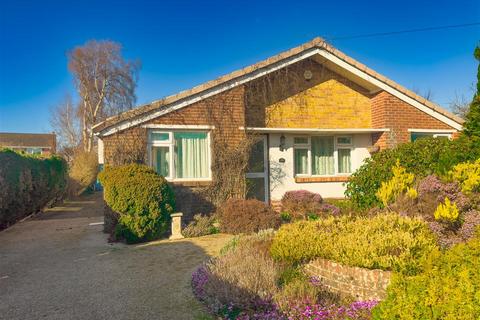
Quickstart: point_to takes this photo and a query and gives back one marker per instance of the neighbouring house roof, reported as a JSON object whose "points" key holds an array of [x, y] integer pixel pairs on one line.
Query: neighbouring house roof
{"points": [[316, 47], [27, 140]]}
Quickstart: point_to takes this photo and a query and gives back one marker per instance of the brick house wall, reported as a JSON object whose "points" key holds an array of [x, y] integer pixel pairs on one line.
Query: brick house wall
{"points": [[390, 112], [224, 111], [285, 99]]}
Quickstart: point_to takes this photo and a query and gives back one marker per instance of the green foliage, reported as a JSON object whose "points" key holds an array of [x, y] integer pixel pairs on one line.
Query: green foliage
{"points": [[467, 174], [421, 158], [387, 242], [143, 199], [400, 183], [472, 121], [247, 216], [447, 211], [28, 183], [201, 225], [448, 288]]}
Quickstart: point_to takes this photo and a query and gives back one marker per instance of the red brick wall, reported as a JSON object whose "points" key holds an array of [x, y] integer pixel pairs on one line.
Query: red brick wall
{"points": [[359, 283], [224, 111], [390, 112]]}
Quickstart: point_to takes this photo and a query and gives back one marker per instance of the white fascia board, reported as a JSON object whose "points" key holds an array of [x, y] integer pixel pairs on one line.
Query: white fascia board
{"points": [[432, 130], [178, 126], [274, 67], [315, 130], [210, 92], [390, 89]]}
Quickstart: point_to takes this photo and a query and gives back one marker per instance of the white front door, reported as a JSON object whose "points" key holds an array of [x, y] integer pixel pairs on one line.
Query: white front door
{"points": [[257, 171]]}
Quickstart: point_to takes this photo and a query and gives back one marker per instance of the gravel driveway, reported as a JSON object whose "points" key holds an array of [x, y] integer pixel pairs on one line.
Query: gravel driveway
{"points": [[57, 266]]}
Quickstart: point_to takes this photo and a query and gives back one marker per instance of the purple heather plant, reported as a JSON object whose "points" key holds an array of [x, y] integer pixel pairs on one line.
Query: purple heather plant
{"points": [[330, 208], [432, 185], [303, 204], [261, 309], [359, 310], [302, 195]]}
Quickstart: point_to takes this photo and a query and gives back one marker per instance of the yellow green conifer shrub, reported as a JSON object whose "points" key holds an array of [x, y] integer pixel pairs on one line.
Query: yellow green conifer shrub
{"points": [[447, 289], [386, 241], [400, 183], [447, 211], [467, 174]]}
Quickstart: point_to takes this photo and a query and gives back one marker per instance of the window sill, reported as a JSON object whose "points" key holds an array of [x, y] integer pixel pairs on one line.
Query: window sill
{"points": [[321, 179], [191, 183]]}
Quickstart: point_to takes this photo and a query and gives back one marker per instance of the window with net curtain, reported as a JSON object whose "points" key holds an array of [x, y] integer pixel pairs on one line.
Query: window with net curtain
{"points": [[191, 154], [323, 162], [187, 151], [322, 155]]}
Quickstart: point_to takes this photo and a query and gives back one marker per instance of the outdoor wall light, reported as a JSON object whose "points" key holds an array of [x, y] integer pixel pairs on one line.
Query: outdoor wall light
{"points": [[282, 143]]}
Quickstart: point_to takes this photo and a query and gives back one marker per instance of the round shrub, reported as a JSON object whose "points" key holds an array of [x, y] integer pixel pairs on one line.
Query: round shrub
{"points": [[143, 199], [387, 242], [247, 216], [422, 157], [448, 288]]}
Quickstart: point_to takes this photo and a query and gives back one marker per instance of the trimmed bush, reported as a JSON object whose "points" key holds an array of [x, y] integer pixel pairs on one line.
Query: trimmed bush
{"points": [[201, 225], [387, 242], [247, 216], [448, 288], [143, 199], [28, 184], [422, 157]]}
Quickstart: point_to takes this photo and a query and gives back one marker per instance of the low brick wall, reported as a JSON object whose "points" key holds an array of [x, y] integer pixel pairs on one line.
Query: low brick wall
{"points": [[360, 283]]}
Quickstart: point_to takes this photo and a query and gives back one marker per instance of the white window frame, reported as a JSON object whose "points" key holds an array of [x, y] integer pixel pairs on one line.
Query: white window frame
{"points": [[448, 135], [434, 132], [170, 143], [336, 146]]}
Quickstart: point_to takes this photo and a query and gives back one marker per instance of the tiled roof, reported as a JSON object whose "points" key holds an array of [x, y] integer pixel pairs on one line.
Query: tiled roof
{"points": [[315, 43], [43, 140]]}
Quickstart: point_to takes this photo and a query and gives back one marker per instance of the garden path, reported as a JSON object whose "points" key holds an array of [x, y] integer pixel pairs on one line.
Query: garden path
{"points": [[57, 265]]}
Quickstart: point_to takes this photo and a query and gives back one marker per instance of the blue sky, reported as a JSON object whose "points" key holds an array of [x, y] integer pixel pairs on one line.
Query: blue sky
{"points": [[184, 43]]}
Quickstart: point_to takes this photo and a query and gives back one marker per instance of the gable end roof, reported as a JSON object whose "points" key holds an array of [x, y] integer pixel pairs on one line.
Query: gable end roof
{"points": [[317, 46]]}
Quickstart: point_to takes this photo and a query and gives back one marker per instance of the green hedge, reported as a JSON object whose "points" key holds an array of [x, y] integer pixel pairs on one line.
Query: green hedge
{"points": [[449, 288], [143, 199], [386, 241], [422, 157], [28, 183]]}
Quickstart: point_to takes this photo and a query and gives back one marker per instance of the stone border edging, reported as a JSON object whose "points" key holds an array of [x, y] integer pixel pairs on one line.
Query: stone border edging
{"points": [[360, 283]]}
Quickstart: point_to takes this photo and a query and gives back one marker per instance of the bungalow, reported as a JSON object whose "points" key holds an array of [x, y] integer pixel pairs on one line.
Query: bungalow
{"points": [[316, 115], [31, 143]]}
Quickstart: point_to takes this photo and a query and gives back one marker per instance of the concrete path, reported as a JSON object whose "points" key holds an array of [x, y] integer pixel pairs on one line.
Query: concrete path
{"points": [[57, 266]]}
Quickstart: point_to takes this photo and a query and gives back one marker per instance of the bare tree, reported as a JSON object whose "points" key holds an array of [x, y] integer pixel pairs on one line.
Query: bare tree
{"points": [[105, 82], [460, 106], [65, 124]]}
